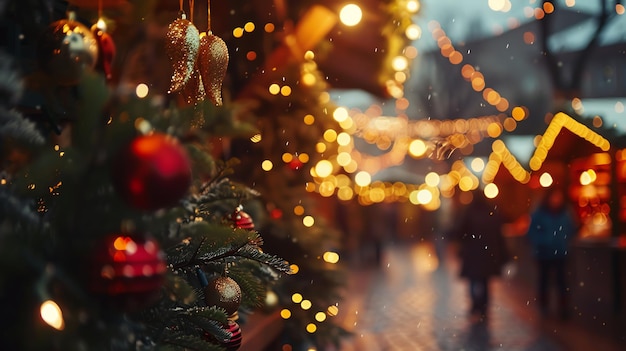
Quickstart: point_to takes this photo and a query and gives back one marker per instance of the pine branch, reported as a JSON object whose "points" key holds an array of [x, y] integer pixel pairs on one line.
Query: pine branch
{"points": [[252, 252], [12, 207], [209, 319], [224, 188], [252, 290], [11, 85], [14, 126]]}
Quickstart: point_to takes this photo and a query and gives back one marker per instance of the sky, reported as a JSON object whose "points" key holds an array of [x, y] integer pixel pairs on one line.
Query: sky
{"points": [[456, 16]]}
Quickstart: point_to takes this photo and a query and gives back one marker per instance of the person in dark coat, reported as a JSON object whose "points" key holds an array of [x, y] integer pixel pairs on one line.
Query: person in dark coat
{"points": [[552, 227], [482, 251]]}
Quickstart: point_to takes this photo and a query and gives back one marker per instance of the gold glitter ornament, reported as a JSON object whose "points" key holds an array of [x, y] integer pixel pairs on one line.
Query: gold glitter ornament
{"points": [[223, 292], [66, 49], [193, 92], [183, 41], [213, 62]]}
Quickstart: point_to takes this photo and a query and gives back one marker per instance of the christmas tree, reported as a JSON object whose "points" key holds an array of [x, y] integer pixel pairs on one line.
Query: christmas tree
{"points": [[119, 230]]}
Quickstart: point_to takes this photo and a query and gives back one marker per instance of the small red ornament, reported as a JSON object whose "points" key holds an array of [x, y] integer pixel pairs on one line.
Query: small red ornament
{"points": [[152, 172], [276, 213], [106, 49], [241, 219], [128, 270], [295, 164], [234, 343], [223, 292]]}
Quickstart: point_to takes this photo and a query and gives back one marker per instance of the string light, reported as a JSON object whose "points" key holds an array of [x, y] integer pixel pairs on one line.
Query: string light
{"points": [[350, 15], [51, 314]]}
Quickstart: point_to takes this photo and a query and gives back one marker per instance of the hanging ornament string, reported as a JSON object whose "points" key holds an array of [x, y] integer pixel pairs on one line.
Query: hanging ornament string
{"points": [[191, 7], [208, 16], [212, 61]]}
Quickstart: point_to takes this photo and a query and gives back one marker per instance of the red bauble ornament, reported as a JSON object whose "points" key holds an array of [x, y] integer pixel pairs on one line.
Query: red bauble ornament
{"points": [[106, 49], [128, 270], [295, 164], [241, 219], [234, 343], [223, 292], [152, 172], [65, 49]]}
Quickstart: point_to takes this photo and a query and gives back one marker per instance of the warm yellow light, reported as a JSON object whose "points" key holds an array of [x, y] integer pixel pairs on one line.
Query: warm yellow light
{"points": [[320, 316], [306, 304], [330, 135], [351, 15], [287, 157], [285, 313], [308, 79], [363, 179], [351, 167], [303, 157], [585, 178], [331, 257], [491, 191], [400, 63], [344, 139], [417, 148], [592, 175], [497, 5], [345, 193], [494, 130], [309, 55], [466, 183], [142, 90], [323, 168], [413, 32], [340, 114], [327, 188], [249, 27], [238, 32], [294, 269], [309, 120], [413, 6], [432, 179], [256, 138], [51, 314], [545, 180], [311, 328], [518, 113], [424, 196], [285, 90], [296, 298], [308, 221], [477, 165], [267, 165], [274, 89], [344, 159], [320, 147], [332, 310]]}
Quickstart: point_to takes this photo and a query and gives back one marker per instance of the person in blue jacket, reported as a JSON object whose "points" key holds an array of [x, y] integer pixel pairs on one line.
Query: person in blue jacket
{"points": [[552, 227]]}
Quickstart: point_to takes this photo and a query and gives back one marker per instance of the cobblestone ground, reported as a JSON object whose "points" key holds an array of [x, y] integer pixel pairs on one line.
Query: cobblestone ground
{"points": [[416, 303]]}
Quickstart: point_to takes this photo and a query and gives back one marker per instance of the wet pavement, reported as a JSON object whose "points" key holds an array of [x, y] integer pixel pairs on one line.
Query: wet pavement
{"points": [[415, 301]]}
